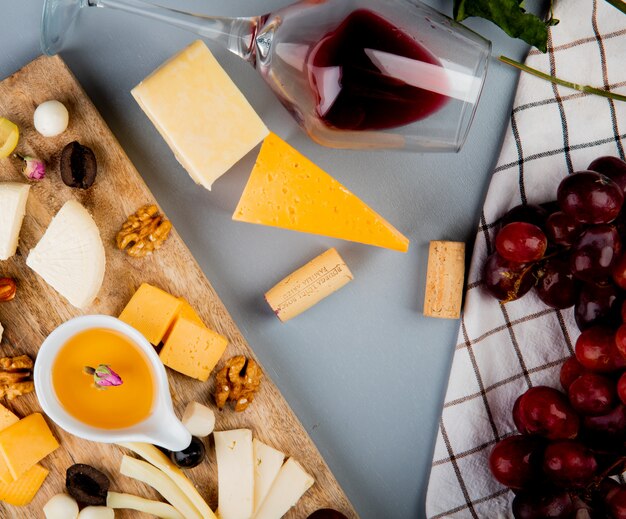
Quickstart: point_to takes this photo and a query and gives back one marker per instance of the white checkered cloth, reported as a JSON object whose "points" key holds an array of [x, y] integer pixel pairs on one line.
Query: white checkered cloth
{"points": [[502, 350]]}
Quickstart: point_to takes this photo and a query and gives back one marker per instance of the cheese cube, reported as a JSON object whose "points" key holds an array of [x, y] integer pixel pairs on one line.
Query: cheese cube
{"points": [[235, 473], [187, 311], [198, 419], [151, 311], [289, 486], [25, 443], [267, 463], [200, 112], [22, 491], [192, 349]]}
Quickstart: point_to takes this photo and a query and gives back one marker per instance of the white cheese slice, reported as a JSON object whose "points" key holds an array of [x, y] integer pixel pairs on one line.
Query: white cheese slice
{"points": [[289, 486], [13, 198], [1, 331], [235, 473], [267, 463], [70, 255], [141, 504]]}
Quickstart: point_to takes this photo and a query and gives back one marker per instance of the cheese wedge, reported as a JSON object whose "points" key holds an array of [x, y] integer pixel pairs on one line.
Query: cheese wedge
{"points": [[201, 114], [13, 197], [235, 474], [70, 255], [22, 491], [289, 486], [287, 190], [267, 464]]}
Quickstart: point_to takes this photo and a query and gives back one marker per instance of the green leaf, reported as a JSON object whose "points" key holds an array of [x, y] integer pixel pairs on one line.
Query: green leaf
{"points": [[509, 15]]}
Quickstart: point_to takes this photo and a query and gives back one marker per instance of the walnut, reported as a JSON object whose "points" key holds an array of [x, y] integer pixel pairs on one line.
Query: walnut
{"points": [[16, 376], [238, 381], [144, 232]]}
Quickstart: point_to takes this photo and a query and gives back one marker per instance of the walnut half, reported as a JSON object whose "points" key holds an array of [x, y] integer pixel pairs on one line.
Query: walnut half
{"points": [[144, 232], [237, 381], [16, 376]]}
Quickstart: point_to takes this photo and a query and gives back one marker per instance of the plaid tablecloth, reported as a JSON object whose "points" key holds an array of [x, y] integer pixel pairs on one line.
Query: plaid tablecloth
{"points": [[502, 350]]}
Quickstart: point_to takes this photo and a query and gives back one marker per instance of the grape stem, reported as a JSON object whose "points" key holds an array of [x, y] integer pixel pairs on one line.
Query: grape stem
{"points": [[575, 86], [605, 473]]}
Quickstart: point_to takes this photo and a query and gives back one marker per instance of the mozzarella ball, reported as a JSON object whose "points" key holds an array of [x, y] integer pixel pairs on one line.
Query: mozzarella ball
{"points": [[51, 118], [61, 506], [198, 419], [97, 512]]}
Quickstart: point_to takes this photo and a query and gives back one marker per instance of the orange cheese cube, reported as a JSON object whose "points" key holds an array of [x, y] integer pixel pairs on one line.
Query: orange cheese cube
{"points": [[186, 311], [193, 349], [151, 311], [22, 491], [25, 443], [7, 418]]}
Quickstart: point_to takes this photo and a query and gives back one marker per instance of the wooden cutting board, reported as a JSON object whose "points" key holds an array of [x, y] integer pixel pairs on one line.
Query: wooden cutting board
{"points": [[38, 309]]}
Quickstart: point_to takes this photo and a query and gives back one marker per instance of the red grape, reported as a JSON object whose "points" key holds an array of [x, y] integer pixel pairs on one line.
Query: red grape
{"points": [[570, 371], [562, 229], [528, 213], [556, 285], [597, 304], [590, 197], [616, 502], [516, 461], [609, 426], [596, 350], [619, 272], [592, 394], [545, 411], [543, 504], [620, 340], [507, 281], [612, 167], [595, 252], [569, 464], [621, 388], [521, 242]]}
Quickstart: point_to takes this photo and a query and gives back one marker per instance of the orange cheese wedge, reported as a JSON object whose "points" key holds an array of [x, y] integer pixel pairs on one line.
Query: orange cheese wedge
{"points": [[287, 190]]}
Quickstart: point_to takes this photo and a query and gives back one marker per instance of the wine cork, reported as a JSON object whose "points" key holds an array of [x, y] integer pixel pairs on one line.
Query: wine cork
{"points": [[444, 279], [308, 285]]}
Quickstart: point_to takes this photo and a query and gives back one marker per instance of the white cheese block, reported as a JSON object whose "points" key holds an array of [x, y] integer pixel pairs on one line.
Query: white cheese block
{"points": [[198, 419], [235, 473], [200, 112], [267, 463], [13, 196], [289, 486], [70, 255]]}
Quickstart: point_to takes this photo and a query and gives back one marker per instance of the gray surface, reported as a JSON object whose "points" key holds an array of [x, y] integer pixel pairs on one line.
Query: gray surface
{"points": [[364, 371]]}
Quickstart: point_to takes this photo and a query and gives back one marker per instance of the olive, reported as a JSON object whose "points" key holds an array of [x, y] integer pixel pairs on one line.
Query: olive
{"points": [[87, 485], [190, 457], [78, 166]]}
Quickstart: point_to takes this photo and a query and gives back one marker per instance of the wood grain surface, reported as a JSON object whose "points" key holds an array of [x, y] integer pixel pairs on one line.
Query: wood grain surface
{"points": [[38, 309]]}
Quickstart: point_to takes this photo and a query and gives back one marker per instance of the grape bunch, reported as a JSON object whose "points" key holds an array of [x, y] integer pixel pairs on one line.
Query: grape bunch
{"points": [[570, 442]]}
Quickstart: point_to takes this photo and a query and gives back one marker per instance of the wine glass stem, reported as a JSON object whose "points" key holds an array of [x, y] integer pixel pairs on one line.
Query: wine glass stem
{"points": [[235, 34]]}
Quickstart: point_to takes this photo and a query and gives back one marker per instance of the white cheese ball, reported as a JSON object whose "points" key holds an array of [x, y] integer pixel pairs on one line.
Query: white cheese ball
{"points": [[97, 512], [51, 118], [198, 419], [61, 506]]}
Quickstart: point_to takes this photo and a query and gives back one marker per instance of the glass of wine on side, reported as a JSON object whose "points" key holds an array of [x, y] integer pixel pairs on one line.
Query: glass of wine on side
{"points": [[353, 73]]}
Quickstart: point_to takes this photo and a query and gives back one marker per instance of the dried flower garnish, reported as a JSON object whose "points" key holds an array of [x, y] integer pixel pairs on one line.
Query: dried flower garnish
{"points": [[34, 168], [103, 376]]}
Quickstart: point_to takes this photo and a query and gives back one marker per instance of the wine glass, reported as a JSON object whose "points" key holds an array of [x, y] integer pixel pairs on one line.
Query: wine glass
{"points": [[353, 73]]}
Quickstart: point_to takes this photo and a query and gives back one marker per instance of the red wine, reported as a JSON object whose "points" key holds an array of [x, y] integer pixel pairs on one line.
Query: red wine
{"points": [[351, 92]]}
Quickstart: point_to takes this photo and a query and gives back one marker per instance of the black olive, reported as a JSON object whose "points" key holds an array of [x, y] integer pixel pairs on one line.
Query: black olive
{"points": [[327, 513], [87, 485], [78, 166], [190, 457]]}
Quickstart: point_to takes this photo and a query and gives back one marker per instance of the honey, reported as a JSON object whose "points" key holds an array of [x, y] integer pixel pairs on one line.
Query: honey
{"points": [[112, 407]]}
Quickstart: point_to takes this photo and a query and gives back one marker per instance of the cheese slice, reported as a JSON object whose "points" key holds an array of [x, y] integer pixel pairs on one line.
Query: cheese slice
{"points": [[200, 112], [187, 311], [22, 491], [13, 196], [235, 473], [289, 486], [287, 190], [267, 464], [7, 418], [25, 443]]}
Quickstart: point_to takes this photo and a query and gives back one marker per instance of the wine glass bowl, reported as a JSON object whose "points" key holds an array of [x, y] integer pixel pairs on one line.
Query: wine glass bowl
{"points": [[392, 74]]}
